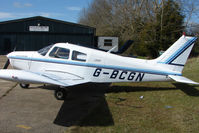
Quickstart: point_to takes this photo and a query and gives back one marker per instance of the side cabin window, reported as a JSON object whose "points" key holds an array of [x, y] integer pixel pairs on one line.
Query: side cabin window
{"points": [[62, 53], [79, 56]]}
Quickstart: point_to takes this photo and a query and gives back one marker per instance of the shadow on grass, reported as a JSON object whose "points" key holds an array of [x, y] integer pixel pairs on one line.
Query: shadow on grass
{"points": [[118, 89], [82, 102], [188, 89], [86, 104]]}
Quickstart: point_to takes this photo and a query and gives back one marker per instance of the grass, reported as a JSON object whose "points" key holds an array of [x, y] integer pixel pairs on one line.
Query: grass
{"points": [[166, 107]]}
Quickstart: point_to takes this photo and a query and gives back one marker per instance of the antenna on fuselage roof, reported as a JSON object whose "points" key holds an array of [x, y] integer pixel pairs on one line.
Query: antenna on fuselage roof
{"points": [[112, 49]]}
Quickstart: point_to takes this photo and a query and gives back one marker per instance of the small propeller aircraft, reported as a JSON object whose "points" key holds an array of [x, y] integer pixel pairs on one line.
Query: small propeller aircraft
{"points": [[65, 64]]}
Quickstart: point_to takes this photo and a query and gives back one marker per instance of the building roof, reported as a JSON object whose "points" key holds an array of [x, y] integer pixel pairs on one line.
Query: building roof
{"points": [[49, 25], [44, 18]]}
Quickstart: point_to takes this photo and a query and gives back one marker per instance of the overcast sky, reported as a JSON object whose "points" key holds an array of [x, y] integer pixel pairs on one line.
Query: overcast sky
{"points": [[67, 10]]}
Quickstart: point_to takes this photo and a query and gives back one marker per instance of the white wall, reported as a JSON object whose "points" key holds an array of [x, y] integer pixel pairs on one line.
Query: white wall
{"points": [[103, 40]]}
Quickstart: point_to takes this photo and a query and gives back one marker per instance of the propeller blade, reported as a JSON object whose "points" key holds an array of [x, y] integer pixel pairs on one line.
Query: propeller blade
{"points": [[6, 64], [14, 48]]}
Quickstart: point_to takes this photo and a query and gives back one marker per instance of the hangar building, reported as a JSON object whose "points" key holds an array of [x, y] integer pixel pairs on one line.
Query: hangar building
{"points": [[37, 32]]}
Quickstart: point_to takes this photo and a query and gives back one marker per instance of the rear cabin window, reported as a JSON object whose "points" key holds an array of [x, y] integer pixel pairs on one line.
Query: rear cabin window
{"points": [[62, 53], [79, 56]]}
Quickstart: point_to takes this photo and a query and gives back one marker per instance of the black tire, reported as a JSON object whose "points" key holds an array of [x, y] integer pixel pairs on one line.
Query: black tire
{"points": [[25, 86], [60, 94]]}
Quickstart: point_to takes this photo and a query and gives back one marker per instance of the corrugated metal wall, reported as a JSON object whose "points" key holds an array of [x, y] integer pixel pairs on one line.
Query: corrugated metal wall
{"points": [[17, 33]]}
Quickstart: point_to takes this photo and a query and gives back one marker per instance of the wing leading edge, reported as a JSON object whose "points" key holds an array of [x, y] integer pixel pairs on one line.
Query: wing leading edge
{"points": [[22, 76]]}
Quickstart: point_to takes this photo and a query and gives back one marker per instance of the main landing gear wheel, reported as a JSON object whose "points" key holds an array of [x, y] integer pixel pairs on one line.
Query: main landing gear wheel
{"points": [[60, 94], [25, 86]]}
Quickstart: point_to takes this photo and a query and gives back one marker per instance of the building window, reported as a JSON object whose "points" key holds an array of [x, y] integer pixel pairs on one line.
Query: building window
{"points": [[60, 53], [107, 42], [79, 56]]}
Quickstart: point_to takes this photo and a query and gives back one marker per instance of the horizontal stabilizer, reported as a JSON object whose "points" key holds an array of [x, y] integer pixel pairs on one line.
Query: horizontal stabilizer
{"points": [[182, 79]]}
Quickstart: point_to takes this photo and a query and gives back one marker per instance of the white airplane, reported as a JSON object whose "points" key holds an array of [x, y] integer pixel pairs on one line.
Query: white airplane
{"points": [[65, 64]]}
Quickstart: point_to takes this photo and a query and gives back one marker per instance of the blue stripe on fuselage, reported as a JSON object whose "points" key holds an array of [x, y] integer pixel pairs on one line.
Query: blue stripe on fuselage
{"points": [[96, 65]]}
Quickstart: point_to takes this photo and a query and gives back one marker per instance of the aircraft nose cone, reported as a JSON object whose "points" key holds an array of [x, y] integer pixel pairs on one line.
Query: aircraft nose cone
{"points": [[10, 54]]}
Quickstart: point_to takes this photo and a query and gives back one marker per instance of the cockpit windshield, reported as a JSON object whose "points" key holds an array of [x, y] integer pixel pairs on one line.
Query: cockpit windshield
{"points": [[44, 50]]}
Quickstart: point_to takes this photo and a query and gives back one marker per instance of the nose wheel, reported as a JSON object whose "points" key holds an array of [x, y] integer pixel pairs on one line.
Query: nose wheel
{"points": [[25, 86], [60, 94]]}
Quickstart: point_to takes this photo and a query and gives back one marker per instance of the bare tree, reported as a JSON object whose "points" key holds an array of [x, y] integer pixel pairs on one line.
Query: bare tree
{"points": [[128, 19], [190, 9]]}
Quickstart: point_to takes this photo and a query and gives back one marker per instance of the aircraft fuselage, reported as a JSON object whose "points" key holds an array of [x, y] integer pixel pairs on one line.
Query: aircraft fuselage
{"points": [[92, 65]]}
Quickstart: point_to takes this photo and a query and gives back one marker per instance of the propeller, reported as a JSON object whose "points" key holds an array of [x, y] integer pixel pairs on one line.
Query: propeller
{"points": [[8, 61], [6, 64]]}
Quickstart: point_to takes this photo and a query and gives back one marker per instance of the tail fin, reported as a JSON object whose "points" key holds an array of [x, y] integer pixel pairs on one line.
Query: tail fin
{"points": [[178, 53]]}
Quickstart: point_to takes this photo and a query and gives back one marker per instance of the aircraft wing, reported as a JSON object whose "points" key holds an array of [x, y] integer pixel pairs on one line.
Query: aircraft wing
{"points": [[64, 77], [182, 79], [22, 76]]}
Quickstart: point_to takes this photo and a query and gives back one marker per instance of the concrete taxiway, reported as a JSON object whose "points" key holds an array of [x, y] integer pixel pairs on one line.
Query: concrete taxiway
{"points": [[36, 110]]}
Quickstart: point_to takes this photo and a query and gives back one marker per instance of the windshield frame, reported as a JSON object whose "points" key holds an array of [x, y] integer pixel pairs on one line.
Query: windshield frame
{"points": [[45, 50]]}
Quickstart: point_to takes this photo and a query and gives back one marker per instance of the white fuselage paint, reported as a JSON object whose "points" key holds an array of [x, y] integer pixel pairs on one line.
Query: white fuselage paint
{"points": [[99, 66]]}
